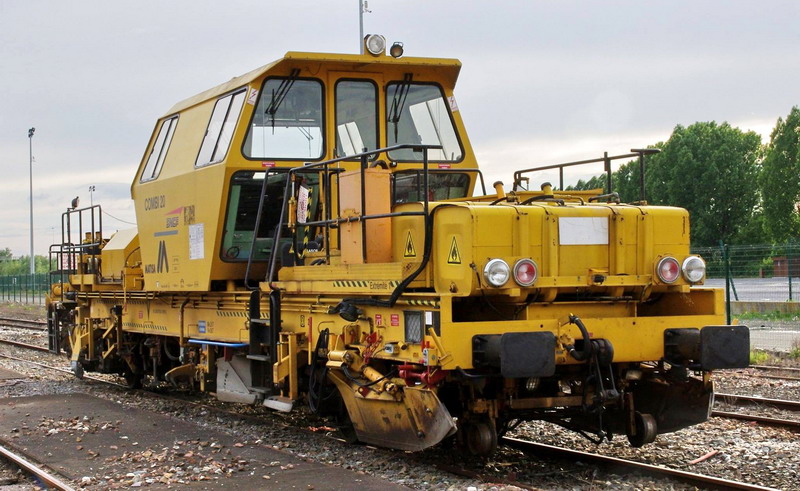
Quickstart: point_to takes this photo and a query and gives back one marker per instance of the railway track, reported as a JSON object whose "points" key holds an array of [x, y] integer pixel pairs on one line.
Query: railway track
{"points": [[550, 451], [729, 398], [23, 323], [776, 403], [43, 476], [527, 446], [524, 445]]}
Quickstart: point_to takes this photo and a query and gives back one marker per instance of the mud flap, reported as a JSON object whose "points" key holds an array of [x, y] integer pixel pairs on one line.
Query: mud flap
{"points": [[413, 421]]}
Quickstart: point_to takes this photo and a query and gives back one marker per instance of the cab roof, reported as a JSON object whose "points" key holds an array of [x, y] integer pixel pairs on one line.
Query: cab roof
{"points": [[447, 68]]}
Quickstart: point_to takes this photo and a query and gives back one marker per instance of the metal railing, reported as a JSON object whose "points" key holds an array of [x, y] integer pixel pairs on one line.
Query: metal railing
{"points": [[24, 288]]}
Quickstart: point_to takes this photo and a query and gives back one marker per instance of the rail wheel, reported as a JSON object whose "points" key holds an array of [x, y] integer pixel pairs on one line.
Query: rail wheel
{"points": [[480, 437], [646, 430]]}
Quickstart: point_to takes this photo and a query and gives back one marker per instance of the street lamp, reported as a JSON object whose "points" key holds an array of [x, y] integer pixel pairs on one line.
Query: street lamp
{"points": [[30, 154], [91, 195]]}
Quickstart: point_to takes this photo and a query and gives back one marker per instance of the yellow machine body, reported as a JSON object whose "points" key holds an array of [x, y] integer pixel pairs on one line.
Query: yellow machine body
{"points": [[316, 230]]}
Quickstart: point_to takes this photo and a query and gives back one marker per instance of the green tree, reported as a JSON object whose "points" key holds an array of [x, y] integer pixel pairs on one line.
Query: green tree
{"points": [[780, 179], [595, 182], [710, 169]]}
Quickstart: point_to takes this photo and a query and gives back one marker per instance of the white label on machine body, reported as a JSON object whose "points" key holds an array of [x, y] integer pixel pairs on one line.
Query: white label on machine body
{"points": [[583, 231]]}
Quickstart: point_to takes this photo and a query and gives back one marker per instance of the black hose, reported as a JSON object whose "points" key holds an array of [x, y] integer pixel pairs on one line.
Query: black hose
{"points": [[586, 352], [404, 284], [169, 355], [316, 387]]}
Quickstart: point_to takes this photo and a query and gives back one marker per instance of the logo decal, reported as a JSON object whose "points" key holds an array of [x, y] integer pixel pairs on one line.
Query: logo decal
{"points": [[163, 262]]}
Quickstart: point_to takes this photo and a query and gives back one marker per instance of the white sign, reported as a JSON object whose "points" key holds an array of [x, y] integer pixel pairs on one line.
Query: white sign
{"points": [[583, 230], [302, 204], [196, 241], [251, 98]]}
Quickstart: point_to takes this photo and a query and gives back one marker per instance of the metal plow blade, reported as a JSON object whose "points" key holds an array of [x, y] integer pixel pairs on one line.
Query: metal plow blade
{"points": [[415, 422]]}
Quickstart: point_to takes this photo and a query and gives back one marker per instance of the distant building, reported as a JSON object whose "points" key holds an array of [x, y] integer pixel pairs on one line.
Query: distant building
{"points": [[780, 266]]}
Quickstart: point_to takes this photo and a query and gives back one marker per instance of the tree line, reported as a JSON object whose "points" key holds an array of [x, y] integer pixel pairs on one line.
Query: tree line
{"points": [[736, 189], [9, 265]]}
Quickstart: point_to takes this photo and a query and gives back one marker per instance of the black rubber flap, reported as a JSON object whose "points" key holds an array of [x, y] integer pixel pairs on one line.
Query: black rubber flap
{"points": [[724, 347], [527, 354]]}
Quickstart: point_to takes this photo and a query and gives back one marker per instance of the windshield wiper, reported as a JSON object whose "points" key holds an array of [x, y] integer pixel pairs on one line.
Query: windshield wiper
{"points": [[399, 101], [279, 95]]}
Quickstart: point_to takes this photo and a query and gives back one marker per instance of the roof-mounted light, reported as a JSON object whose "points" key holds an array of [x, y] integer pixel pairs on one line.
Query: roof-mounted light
{"points": [[396, 50], [375, 44]]}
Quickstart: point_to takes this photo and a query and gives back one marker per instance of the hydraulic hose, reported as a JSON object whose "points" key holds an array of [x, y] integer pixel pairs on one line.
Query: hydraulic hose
{"points": [[586, 352]]}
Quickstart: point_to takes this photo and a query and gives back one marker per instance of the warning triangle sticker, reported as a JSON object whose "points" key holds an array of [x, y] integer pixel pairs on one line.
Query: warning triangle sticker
{"points": [[454, 257], [409, 250]]}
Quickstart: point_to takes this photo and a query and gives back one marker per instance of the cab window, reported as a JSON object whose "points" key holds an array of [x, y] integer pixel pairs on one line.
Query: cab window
{"points": [[356, 117], [419, 114], [408, 186], [240, 220], [159, 151], [287, 121], [220, 129]]}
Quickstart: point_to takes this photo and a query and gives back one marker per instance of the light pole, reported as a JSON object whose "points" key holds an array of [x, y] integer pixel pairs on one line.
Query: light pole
{"points": [[91, 195], [30, 154], [362, 8]]}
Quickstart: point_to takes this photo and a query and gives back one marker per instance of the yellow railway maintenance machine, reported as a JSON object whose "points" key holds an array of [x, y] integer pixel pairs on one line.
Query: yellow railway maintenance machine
{"points": [[310, 232]]}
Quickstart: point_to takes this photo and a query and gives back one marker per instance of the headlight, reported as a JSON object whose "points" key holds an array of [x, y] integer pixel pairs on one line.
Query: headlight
{"points": [[496, 272], [668, 270], [694, 269], [375, 44], [525, 272]]}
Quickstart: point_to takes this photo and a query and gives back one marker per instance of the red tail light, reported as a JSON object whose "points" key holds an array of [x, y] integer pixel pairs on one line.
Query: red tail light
{"points": [[668, 269], [525, 272]]}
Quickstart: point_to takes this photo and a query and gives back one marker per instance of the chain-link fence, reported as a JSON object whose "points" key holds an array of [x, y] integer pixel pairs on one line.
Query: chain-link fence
{"points": [[24, 288], [762, 284]]}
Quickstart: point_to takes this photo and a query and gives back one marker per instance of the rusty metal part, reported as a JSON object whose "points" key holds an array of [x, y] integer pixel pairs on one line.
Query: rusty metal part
{"points": [[413, 420], [759, 419], [775, 368], [48, 479], [23, 345], [778, 403], [653, 470]]}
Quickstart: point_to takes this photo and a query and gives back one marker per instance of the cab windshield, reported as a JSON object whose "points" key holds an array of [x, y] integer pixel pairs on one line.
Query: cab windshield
{"points": [[419, 114]]}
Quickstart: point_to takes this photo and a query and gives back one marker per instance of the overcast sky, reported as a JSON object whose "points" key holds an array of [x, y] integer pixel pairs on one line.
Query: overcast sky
{"points": [[542, 81]]}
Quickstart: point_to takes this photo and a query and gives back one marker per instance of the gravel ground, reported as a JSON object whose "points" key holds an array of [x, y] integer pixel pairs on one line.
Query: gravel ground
{"points": [[745, 452]]}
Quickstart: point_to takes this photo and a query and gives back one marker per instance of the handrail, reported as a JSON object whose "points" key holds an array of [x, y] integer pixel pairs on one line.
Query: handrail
{"points": [[637, 152], [289, 191]]}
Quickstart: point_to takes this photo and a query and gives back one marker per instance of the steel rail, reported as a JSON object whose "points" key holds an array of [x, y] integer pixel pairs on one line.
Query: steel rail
{"points": [[775, 368], [48, 479], [23, 345], [653, 470], [760, 419], [63, 370], [778, 403], [23, 323]]}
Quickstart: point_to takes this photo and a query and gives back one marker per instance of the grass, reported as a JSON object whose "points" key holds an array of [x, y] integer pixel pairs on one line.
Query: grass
{"points": [[758, 357], [775, 315]]}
